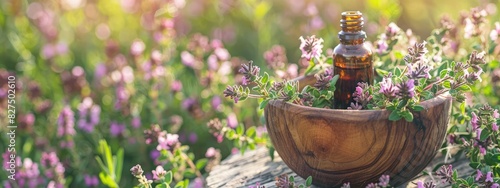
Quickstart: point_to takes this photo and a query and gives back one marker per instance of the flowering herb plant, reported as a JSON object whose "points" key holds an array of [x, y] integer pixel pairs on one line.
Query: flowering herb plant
{"points": [[400, 90]]}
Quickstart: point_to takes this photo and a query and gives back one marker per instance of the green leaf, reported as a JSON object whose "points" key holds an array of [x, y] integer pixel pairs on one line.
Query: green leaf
{"points": [[407, 115], [309, 68], [162, 185], [107, 180], [263, 104], [475, 165], [464, 88], [394, 116], [271, 153], [291, 178], [462, 107], [382, 72], [265, 78], [455, 175], [119, 164], [333, 81], [470, 181], [181, 184], [309, 181], [447, 84], [251, 132], [485, 133], [443, 73], [231, 134], [101, 164], [240, 129], [329, 61], [189, 174], [301, 186], [201, 163], [418, 108], [397, 72]]}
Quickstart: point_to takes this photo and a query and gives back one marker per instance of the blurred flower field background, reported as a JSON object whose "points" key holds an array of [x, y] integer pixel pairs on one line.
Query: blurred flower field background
{"points": [[102, 86]]}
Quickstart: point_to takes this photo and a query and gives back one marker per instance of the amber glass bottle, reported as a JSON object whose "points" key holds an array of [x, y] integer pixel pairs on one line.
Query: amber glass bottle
{"points": [[352, 59]]}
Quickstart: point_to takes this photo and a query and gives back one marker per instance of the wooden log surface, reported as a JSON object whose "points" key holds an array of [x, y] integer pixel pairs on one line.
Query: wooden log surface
{"points": [[256, 167]]}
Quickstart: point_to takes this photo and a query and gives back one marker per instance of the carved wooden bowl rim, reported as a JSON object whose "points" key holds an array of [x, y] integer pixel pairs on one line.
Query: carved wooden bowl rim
{"points": [[426, 104]]}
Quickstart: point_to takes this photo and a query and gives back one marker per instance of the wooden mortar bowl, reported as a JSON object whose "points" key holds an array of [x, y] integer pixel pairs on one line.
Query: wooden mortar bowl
{"points": [[357, 146]]}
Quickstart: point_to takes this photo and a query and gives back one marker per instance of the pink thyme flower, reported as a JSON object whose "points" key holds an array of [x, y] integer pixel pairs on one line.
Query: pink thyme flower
{"points": [[494, 126], [496, 115], [210, 152], [482, 150], [91, 181], [406, 89], [381, 46], [136, 122], [387, 88], [137, 47], [232, 120], [66, 122], [489, 177], [479, 175], [116, 129], [384, 180], [311, 47], [167, 141], [474, 121], [159, 172], [495, 32], [89, 115]]}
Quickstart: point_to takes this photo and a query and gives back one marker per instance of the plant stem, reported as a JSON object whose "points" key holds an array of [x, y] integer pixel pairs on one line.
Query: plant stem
{"points": [[256, 96], [191, 164], [437, 82]]}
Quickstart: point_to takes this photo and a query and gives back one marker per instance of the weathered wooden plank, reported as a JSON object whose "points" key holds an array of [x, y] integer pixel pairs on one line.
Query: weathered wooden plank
{"points": [[256, 166]]}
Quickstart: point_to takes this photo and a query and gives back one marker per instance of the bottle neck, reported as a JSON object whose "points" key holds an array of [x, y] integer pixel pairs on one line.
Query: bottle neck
{"points": [[352, 38], [352, 42]]}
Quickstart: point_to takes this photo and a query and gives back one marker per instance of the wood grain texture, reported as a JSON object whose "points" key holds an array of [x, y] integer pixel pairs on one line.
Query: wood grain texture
{"points": [[336, 146]]}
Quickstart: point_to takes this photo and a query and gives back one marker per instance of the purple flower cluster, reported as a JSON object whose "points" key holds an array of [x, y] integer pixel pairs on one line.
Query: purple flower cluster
{"points": [[388, 88], [495, 33], [445, 173], [276, 57], [311, 47], [323, 80], [215, 127], [54, 169], [116, 129], [250, 73], [66, 122], [406, 89], [167, 141], [417, 65], [233, 93], [159, 173], [362, 96], [473, 22], [89, 115], [392, 31], [91, 181], [384, 180]]}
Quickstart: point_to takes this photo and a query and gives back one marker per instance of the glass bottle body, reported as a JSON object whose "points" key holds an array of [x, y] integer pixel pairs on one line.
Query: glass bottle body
{"points": [[352, 61]]}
